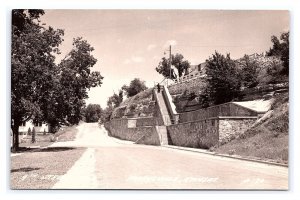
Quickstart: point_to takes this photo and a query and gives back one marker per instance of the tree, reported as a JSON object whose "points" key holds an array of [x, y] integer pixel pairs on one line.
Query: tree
{"points": [[93, 113], [249, 70], [135, 87], [281, 49], [105, 115], [40, 89], [32, 61], [177, 61], [115, 100], [223, 80], [75, 78]]}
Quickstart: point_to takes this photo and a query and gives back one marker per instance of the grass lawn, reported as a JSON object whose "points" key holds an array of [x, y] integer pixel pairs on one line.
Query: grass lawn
{"points": [[64, 134], [42, 168]]}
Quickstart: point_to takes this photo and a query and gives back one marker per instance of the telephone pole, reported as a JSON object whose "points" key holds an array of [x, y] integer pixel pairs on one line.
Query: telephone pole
{"points": [[170, 61]]}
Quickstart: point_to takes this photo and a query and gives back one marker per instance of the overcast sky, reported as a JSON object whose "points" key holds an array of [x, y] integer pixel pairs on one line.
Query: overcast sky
{"points": [[130, 43]]}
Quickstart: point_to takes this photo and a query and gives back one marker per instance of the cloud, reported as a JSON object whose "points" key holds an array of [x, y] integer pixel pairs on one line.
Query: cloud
{"points": [[170, 42], [156, 57], [134, 59], [151, 46], [137, 59]]}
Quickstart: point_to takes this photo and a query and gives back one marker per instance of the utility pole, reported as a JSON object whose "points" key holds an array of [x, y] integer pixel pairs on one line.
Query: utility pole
{"points": [[170, 61]]}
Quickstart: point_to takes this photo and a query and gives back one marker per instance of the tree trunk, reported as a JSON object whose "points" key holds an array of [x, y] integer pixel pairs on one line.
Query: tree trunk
{"points": [[15, 130]]}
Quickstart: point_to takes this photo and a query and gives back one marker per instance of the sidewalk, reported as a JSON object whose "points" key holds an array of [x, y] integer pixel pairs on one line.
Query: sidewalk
{"points": [[82, 175]]}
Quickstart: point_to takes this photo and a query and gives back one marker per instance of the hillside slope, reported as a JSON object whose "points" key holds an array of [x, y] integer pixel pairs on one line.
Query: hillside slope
{"points": [[140, 105], [267, 139]]}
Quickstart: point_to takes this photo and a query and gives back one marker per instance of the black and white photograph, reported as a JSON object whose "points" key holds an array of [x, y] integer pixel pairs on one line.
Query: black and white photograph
{"points": [[149, 99]]}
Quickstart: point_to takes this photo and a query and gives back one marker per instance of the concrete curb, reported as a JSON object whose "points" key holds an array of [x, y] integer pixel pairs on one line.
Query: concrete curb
{"points": [[224, 155]]}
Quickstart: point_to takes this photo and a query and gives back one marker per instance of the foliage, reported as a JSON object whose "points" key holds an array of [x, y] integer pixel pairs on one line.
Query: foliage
{"points": [[281, 49], [249, 70], [274, 72], [135, 87], [21, 17], [40, 89], [105, 115], [75, 77], [223, 80], [115, 100], [93, 113], [177, 61], [32, 61]]}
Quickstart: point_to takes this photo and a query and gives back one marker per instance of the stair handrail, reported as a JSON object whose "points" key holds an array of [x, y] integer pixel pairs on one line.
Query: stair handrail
{"points": [[170, 105]]}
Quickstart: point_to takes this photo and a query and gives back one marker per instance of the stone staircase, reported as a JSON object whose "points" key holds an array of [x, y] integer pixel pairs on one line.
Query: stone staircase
{"points": [[166, 113], [163, 108], [163, 135]]}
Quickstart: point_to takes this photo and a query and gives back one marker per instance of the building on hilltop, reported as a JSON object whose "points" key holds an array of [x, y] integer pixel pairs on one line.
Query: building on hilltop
{"points": [[194, 71], [197, 71]]}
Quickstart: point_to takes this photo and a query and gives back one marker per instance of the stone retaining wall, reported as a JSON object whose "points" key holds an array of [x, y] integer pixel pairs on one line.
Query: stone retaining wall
{"points": [[196, 134], [227, 109], [209, 132], [145, 121], [125, 130], [230, 128], [193, 85]]}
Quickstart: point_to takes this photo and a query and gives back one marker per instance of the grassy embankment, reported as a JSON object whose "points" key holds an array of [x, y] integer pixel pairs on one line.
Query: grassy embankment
{"points": [[267, 139], [140, 105]]}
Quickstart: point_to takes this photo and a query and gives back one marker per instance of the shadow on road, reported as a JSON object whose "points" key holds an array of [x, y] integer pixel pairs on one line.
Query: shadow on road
{"points": [[24, 169], [48, 149]]}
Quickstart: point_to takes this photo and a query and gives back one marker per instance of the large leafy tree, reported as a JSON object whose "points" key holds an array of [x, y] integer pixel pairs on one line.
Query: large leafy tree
{"points": [[223, 80], [135, 87], [40, 89], [75, 78], [177, 61], [32, 61], [280, 48]]}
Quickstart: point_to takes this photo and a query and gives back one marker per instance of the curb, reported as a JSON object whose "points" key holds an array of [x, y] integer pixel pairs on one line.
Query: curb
{"points": [[224, 155]]}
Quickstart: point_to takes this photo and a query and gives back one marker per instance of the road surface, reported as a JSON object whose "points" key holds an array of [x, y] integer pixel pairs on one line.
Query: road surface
{"points": [[109, 163]]}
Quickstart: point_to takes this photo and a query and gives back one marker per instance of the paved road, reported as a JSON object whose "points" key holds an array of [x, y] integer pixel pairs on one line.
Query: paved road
{"points": [[109, 163]]}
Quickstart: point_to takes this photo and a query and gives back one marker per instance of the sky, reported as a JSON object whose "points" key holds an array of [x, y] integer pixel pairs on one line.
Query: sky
{"points": [[130, 43]]}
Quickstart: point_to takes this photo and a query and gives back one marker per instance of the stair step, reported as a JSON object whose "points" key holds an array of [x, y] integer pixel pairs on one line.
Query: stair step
{"points": [[162, 131]]}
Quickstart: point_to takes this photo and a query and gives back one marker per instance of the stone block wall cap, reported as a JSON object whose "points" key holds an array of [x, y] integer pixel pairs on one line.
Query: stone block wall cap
{"points": [[237, 117]]}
